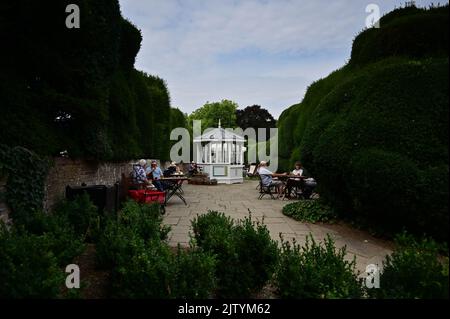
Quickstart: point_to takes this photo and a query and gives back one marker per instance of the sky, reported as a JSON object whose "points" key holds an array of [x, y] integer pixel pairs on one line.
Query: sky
{"points": [[264, 52]]}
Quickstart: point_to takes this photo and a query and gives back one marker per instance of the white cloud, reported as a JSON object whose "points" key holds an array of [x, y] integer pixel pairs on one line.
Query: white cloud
{"points": [[252, 51]]}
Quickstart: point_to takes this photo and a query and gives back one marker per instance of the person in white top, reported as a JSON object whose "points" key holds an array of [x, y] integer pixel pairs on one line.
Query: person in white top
{"points": [[267, 178], [308, 183], [298, 171]]}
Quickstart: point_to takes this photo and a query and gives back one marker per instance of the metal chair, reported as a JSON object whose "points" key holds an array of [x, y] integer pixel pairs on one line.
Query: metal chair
{"points": [[265, 190]]}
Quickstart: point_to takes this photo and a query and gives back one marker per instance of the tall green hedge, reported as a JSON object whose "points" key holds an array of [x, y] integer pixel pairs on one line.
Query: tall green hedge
{"points": [[375, 133], [77, 89]]}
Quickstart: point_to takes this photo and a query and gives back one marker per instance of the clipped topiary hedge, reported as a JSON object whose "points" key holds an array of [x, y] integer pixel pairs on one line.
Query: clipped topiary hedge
{"points": [[76, 90], [375, 151], [375, 133]]}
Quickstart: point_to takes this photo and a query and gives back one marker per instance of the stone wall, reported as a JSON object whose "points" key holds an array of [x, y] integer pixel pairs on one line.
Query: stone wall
{"points": [[77, 172]]}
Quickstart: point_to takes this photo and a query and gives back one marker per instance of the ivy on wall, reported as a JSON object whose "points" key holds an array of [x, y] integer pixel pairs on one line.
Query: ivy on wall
{"points": [[25, 174]]}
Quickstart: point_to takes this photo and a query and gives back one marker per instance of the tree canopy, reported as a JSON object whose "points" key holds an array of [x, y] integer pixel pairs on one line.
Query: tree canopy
{"points": [[255, 117], [211, 113]]}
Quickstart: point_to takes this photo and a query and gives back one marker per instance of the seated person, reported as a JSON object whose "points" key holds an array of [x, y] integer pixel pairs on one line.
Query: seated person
{"points": [[267, 178], [170, 170], [308, 184], [139, 174], [193, 168], [156, 174], [295, 183], [298, 170], [178, 171]]}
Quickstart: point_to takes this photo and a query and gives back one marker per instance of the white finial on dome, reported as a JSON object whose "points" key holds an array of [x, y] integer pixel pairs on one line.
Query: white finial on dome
{"points": [[220, 126]]}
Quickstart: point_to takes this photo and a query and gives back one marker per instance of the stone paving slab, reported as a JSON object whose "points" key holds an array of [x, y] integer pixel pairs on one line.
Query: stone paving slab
{"points": [[236, 201]]}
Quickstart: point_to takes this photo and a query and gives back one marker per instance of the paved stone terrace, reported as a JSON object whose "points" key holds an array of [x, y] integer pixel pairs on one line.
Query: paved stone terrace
{"points": [[236, 201]]}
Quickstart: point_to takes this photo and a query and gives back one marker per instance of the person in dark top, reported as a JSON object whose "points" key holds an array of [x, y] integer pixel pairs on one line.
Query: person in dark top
{"points": [[193, 169]]}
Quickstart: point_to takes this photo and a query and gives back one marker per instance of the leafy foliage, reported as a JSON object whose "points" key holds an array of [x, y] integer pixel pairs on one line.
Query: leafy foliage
{"points": [[28, 267], [195, 274], [25, 180], [211, 113], [62, 239], [414, 270], [82, 215], [362, 132], [143, 266], [408, 32], [246, 254], [255, 117], [311, 211], [126, 233], [316, 271], [76, 90]]}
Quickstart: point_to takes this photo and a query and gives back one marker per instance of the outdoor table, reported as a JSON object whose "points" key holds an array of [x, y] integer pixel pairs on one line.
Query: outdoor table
{"points": [[175, 184], [295, 183]]}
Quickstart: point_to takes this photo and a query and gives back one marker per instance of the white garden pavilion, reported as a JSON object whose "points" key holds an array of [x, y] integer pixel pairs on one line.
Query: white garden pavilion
{"points": [[220, 153]]}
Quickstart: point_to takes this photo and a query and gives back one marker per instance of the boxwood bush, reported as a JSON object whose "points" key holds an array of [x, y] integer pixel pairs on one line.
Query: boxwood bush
{"points": [[311, 211], [414, 270], [142, 265], [134, 225], [28, 267], [82, 215], [316, 271], [246, 255]]}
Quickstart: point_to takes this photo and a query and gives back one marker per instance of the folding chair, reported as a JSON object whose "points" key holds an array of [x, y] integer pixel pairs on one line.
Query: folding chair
{"points": [[265, 190]]}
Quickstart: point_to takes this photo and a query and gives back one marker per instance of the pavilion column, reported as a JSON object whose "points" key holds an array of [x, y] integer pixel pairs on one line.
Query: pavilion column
{"points": [[229, 149], [242, 155], [199, 153], [209, 152], [205, 155]]}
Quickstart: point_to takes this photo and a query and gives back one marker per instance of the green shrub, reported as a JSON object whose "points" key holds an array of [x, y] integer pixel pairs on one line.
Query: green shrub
{"points": [[414, 270], [145, 273], [362, 132], [28, 267], [206, 225], [63, 241], [375, 169], [408, 32], [123, 234], [316, 271], [154, 271], [24, 192], [82, 215], [80, 90], [246, 255], [311, 211], [141, 263], [194, 274], [146, 220]]}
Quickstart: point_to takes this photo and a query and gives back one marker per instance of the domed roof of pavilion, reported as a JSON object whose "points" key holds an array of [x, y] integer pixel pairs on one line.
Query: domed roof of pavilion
{"points": [[219, 134]]}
